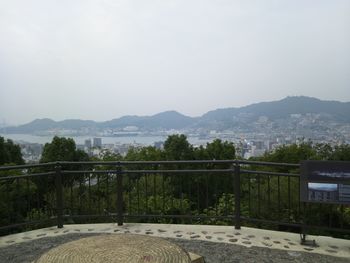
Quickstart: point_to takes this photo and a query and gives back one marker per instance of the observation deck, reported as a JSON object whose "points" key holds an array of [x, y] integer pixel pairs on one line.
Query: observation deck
{"points": [[226, 211]]}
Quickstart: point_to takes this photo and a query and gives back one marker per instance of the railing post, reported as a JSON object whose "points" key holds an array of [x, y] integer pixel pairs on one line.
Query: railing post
{"points": [[59, 195], [119, 196], [237, 186]]}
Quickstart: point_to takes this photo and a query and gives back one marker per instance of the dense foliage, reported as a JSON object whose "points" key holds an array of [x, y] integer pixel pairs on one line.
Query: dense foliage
{"points": [[209, 197], [10, 153]]}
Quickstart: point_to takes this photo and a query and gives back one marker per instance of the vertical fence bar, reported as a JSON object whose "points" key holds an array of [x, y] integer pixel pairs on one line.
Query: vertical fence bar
{"points": [[107, 192], [289, 199], [129, 196], [154, 194], [59, 195], [249, 195], [89, 191], [138, 195], [163, 195], [268, 194], [237, 172], [119, 195], [259, 196]]}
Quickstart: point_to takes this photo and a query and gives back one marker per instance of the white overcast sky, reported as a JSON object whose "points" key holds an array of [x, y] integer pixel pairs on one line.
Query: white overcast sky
{"points": [[103, 59]]}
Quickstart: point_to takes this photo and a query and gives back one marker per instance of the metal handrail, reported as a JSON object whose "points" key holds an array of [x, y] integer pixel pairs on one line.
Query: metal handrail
{"points": [[237, 170]]}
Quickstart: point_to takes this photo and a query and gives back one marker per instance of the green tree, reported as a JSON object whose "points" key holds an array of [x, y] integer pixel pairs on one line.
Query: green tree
{"points": [[148, 153], [176, 147], [220, 150], [293, 153], [10, 152], [62, 149], [341, 153], [153, 194]]}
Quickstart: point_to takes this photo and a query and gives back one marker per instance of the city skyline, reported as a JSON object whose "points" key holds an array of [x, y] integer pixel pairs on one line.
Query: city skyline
{"points": [[102, 60]]}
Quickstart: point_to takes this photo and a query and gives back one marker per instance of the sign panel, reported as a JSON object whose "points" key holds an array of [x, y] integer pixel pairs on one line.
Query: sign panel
{"points": [[325, 182]]}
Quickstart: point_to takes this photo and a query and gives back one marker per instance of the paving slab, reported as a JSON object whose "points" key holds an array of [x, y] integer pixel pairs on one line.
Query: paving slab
{"points": [[245, 237]]}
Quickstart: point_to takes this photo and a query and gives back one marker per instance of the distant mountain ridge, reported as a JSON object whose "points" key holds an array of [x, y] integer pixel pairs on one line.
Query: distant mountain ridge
{"points": [[166, 120], [216, 119], [285, 107]]}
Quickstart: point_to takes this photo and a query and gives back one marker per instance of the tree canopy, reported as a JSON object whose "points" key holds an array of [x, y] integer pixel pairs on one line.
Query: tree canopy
{"points": [[10, 152], [295, 153], [62, 149]]}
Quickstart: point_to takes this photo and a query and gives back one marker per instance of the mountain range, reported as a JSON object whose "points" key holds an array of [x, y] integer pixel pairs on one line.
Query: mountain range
{"points": [[219, 119]]}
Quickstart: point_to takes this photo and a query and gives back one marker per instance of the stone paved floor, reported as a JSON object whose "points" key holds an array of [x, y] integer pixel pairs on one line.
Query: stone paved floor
{"points": [[215, 243]]}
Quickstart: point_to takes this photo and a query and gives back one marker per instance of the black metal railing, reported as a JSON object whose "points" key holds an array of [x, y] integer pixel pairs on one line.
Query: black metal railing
{"points": [[230, 192]]}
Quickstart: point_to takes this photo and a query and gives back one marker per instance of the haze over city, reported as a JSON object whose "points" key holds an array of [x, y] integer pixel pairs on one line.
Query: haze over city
{"points": [[100, 60]]}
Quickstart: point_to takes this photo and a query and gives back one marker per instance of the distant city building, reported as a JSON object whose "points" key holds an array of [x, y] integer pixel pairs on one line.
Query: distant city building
{"points": [[131, 128], [260, 145], [159, 145], [87, 143], [97, 142]]}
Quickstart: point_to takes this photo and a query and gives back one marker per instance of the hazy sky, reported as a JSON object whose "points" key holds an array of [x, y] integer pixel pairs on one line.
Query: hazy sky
{"points": [[103, 59]]}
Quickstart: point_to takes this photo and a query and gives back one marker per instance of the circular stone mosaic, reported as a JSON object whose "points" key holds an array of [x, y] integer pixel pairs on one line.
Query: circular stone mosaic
{"points": [[121, 248]]}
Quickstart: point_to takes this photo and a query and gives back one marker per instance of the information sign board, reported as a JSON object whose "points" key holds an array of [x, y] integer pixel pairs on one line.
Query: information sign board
{"points": [[325, 182]]}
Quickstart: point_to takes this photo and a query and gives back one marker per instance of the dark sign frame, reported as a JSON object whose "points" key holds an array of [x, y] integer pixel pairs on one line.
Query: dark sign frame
{"points": [[325, 182]]}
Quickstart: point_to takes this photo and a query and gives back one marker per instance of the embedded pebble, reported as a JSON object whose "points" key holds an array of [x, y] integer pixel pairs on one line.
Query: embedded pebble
{"points": [[237, 233], [266, 238], [220, 238], [161, 230], [77, 230], [266, 244], [195, 236], [286, 239], [126, 232], [116, 230], [251, 236], [331, 251], [177, 231], [190, 233], [137, 231], [229, 235], [291, 243], [294, 254], [208, 237], [285, 246], [233, 240], [308, 249], [66, 231], [56, 232], [204, 232], [277, 242], [91, 229], [246, 242], [217, 233], [178, 235], [149, 233]]}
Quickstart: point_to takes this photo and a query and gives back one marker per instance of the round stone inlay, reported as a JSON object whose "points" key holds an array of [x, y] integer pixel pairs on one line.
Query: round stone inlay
{"points": [[121, 248]]}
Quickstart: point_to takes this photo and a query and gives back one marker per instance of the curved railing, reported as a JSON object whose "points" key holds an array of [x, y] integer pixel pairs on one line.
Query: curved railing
{"points": [[231, 192]]}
